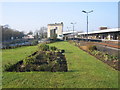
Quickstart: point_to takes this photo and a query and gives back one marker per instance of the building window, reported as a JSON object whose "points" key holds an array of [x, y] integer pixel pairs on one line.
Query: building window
{"points": [[60, 35], [56, 28]]}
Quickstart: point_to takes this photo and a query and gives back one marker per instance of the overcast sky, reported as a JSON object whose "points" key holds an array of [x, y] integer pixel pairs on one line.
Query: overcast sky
{"points": [[26, 16]]}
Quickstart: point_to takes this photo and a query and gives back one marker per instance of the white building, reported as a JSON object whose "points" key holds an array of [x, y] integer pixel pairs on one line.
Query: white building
{"points": [[106, 34], [28, 37], [55, 29]]}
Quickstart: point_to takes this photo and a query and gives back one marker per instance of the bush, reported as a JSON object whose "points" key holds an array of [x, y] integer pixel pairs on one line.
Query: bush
{"points": [[53, 48], [62, 51], [6, 67], [43, 47], [29, 60], [92, 47], [105, 57]]}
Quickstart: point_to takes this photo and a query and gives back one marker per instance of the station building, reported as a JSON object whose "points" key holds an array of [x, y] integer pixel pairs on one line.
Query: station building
{"points": [[55, 30], [106, 34]]}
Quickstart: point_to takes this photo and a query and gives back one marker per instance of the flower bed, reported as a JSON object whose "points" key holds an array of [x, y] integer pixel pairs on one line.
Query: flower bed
{"points": [[45, 59], [106, 58]]}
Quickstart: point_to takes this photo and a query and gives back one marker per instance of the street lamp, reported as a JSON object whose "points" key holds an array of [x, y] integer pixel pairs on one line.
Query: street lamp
{"points": [[87, 20], [68, 28], [73, 29]]}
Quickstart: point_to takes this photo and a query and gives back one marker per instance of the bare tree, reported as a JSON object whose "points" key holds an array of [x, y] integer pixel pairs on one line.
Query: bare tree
{"points": [[43, 32], [30, 33], [36, 34]]}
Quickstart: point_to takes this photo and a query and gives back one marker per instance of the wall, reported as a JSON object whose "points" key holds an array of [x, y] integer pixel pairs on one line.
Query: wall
{"points": [[59, 30]]}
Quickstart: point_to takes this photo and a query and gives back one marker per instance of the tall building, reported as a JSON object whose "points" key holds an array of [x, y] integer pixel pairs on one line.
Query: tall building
{"points": [[55, 30]]}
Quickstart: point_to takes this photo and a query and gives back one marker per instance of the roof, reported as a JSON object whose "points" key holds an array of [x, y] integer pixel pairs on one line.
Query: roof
{"points": [[55, 24], [69, 32], [102, 31]]}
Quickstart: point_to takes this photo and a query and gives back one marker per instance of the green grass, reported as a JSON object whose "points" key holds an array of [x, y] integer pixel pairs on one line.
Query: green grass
{"points": [[13, 55], [85, 71]]}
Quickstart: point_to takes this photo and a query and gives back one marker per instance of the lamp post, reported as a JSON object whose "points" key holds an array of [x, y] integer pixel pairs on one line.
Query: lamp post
{"points": [[68, 28], [73, 29], [87, 20]]}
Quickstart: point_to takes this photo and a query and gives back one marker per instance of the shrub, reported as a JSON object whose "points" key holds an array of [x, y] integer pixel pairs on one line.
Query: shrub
{"points": [[43, 47], [62, 51], [92, 47], [53, 48], [6, 67], [105, 57], [29, 60]]}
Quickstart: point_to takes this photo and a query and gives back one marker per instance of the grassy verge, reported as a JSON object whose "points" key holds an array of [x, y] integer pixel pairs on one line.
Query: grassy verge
{"points": [[14, 55], [85, 71]]}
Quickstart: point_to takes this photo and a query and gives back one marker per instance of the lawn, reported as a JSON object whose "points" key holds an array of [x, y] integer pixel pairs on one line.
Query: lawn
{"points": [[85, 71], [13, 55]]}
